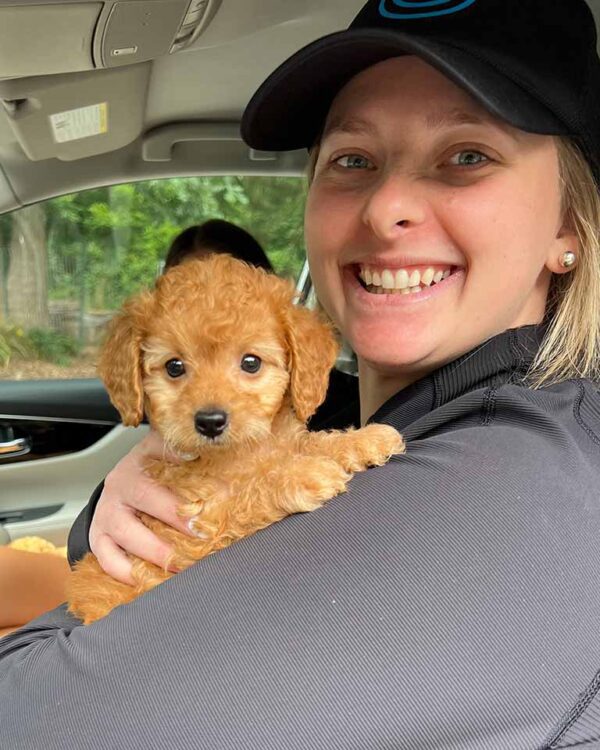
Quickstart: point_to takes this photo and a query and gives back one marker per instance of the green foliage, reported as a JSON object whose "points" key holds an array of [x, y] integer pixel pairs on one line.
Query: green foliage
{"points": [[13, 342], [36, 343], [52, 346], [106, 244]]}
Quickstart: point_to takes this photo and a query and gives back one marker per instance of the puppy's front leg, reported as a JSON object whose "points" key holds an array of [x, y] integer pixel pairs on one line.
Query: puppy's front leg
{"points": [[356, 450], [276, 488], [92, 593]]}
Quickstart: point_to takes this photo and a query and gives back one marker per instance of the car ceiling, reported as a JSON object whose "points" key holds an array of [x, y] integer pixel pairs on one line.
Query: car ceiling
{"points": [[171, 114]]}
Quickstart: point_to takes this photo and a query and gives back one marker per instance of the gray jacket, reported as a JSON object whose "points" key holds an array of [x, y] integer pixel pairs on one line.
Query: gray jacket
{"points": [[450, 599]]}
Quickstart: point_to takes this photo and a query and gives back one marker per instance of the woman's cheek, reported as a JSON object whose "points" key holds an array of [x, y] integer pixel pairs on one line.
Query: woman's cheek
{"points": [[323, 281], [327, 228]]}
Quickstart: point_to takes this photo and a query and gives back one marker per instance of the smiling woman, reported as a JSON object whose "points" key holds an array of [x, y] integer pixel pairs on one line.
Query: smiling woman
{"points": [[449, 599], [414, 201]]}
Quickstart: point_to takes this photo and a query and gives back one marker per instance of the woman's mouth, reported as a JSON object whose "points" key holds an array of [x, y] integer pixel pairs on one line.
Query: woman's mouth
{"points": [[409, 280]]}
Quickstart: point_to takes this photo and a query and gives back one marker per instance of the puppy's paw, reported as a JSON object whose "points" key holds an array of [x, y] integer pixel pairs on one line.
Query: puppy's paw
{"points": [[320, 479], [375, 445]]}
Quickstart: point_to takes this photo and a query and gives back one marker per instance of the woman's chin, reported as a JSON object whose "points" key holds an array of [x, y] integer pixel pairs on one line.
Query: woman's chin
{"points": [[392, 363], [395, 354]]}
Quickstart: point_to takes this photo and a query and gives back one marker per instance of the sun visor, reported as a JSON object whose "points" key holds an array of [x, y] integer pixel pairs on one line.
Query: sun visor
{"points": [[41, 38], [72, 116]]}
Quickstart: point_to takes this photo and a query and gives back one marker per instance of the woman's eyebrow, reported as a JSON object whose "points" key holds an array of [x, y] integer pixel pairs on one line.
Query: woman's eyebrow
{"points": [[353, 125], [433, 121], [448, 118], [457, 117]]}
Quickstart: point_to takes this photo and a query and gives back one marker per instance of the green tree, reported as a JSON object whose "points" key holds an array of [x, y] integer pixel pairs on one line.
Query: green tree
{"points": [[105, 244], [68, 263]]}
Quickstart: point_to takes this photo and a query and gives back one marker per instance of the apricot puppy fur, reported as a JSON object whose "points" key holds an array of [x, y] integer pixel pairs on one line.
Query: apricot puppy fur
{"points": [[228, 370]]}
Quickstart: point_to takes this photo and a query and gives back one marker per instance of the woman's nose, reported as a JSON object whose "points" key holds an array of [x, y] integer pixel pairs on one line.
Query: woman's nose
{"points": [[393, 206]]}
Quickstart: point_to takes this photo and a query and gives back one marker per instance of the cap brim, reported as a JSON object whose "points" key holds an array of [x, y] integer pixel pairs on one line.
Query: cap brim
{"points": [[289, 109]]}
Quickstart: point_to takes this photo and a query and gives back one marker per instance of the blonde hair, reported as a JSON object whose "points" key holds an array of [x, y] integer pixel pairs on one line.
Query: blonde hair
{"points": [[313, 155], [571, 344]]}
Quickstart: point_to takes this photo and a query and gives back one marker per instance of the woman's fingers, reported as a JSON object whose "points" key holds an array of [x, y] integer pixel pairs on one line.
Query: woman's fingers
{"points": [[128, 536], [159, 502], [121, 524], [138, 540], [116, 528], [112, 559]]}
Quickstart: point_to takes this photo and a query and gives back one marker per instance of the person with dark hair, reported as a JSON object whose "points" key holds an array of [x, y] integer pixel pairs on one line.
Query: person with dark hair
{"points": [[216, 236]]}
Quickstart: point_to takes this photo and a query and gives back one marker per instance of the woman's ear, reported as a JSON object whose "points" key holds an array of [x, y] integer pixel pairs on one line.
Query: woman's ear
{"points": [[567, 241], [120, 365], [312, 351]]}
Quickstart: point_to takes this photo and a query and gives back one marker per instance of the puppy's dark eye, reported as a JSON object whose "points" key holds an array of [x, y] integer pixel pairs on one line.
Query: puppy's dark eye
{"points": [[175, 368], [250, 363]]}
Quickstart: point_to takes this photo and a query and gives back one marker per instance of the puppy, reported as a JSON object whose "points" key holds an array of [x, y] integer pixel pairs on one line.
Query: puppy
{"points": [[228, 370]]}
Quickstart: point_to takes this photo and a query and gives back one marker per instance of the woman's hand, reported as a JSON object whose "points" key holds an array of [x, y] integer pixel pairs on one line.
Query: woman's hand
{"points": [[116, 528]]}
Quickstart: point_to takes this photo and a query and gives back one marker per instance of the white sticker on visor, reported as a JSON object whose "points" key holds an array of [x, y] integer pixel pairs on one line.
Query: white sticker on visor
{"points": [[82, 122]]}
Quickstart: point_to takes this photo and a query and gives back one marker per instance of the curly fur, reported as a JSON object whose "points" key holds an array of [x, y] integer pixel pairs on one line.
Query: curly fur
{"points": [[266, 465]]}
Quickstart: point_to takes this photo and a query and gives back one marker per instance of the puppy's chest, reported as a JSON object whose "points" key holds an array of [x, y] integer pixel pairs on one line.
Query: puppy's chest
{"points": [[226, 469]]}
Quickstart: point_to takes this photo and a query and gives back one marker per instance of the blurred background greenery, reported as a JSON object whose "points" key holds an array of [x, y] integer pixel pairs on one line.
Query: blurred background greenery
{"points": [[67, 264]]}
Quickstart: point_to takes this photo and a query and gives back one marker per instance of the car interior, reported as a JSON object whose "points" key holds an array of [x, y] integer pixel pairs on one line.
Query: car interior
{"points": [[100, 94], [120, 97]]}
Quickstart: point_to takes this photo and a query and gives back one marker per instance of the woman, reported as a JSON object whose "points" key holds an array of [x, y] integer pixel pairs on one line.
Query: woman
{"points": [[450, 598]]}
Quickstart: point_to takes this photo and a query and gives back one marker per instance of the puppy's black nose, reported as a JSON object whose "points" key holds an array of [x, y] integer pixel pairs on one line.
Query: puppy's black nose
{"points": [[210, 423]]}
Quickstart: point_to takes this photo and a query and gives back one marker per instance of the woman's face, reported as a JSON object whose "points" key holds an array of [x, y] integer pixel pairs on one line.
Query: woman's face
{"points": [[415, 184]]}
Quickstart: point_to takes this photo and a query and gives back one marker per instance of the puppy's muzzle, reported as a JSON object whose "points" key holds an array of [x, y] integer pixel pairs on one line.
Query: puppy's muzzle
{"points": [[211, 423]]}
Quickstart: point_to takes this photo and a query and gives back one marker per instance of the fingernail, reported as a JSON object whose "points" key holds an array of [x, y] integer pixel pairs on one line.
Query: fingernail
{"points": [[191, 524]]}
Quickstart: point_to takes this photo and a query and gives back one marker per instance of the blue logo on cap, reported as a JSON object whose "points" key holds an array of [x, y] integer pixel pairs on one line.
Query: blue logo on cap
{"points": [[416, 8]]}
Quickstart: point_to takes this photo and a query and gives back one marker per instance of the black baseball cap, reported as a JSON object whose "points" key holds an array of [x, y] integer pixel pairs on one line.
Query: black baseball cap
{"points": [[533, 63]]}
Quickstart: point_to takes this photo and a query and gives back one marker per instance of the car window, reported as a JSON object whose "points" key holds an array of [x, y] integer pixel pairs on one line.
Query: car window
{"points": [[68, 264]]}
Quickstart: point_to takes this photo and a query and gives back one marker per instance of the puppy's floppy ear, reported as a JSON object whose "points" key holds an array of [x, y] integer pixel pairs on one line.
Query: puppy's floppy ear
{"points": [[312, 352], [120, 365]]}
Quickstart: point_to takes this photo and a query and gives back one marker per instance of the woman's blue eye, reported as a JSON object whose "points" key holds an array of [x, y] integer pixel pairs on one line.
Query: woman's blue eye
{"points": [[468, 159], [353, 161]]}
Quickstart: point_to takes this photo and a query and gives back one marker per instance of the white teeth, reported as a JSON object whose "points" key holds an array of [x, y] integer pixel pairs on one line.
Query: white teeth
{"points": [[401, 279], [427, 277], [387, 279], [415, 279]]}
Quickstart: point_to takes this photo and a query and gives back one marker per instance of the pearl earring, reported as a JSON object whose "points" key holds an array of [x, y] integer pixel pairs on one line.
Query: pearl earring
{"points": [[568, 260]]}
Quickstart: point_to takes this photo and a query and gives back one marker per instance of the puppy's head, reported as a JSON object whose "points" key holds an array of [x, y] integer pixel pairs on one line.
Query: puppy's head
{"points": [[214, 353]]}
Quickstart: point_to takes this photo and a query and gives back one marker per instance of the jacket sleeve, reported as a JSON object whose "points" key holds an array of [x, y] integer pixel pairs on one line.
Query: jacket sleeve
{"points": [[78, 543], [448, 600]]}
